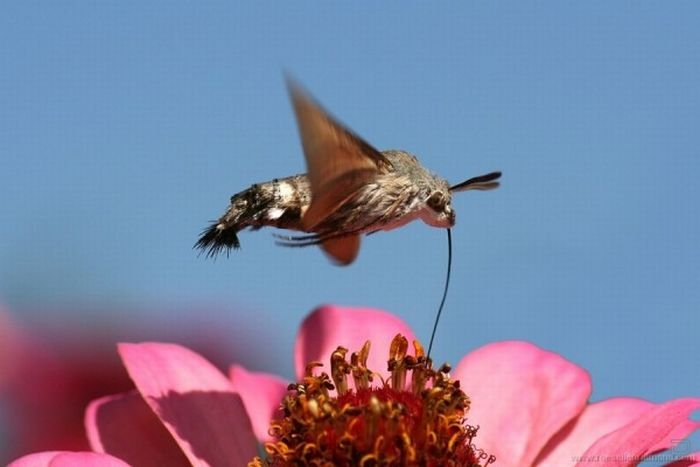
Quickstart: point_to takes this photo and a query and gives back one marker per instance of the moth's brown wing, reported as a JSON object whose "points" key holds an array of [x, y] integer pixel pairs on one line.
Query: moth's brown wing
{"points": [[342, 249], [331, 150], [331, 197], [339, 162]]}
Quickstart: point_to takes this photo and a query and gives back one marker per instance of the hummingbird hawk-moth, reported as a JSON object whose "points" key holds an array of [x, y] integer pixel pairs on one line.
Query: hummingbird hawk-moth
{"points": [[350, 189]]}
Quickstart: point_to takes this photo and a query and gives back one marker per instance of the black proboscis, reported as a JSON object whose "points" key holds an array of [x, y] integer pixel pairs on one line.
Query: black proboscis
{"points": [[444, 292]]}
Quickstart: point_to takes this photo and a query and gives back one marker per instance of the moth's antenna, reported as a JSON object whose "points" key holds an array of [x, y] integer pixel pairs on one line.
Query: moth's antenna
{"points": [[444, 293]]}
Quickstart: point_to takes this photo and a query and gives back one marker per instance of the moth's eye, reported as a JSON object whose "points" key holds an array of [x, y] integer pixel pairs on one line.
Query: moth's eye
{"points": [[437, 201]]}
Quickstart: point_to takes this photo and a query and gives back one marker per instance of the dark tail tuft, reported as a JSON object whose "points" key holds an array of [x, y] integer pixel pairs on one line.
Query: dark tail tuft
{"points": [[213, 240]]}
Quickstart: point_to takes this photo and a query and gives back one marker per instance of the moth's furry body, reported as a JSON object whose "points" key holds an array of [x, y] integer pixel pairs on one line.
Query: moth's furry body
{"points": [[278, 203], [392, 200], [351, 189]]}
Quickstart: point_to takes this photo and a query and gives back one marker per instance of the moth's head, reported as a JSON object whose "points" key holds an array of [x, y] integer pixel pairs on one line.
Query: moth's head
{"points": [[438, 211]]}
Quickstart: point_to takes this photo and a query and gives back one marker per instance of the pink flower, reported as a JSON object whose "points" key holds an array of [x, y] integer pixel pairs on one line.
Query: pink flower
{"points": [[51, 369], [531, 405], [35, 417]]}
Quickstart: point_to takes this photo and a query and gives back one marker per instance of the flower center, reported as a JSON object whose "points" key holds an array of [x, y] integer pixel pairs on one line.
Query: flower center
{"points": [[416, 417]]}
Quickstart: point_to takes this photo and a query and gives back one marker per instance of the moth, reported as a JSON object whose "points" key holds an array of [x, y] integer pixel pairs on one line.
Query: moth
{"points": [[350, 189]]}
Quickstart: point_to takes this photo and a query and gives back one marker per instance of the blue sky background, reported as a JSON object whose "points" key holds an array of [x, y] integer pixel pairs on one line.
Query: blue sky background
{"points": [[124, 129]]}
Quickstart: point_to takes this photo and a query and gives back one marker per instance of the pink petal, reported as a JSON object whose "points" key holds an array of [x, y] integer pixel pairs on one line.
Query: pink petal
{"points": [[329, 326], [596, 421], [262, 395], [521, 396], [125, 426], [686, 460], [658, 428], [194, 401], [11, 348], [68, 459]]}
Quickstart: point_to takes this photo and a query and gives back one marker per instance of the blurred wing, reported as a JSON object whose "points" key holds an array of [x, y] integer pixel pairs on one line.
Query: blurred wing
{"points": [[342, 249], [339, 162]]}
